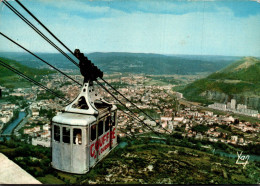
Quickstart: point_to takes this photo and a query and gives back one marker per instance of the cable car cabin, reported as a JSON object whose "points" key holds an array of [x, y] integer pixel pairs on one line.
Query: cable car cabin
{"points": [[85, 133]]}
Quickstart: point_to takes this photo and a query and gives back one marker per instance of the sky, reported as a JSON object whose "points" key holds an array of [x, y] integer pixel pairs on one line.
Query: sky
{"points": [[192, 27]]}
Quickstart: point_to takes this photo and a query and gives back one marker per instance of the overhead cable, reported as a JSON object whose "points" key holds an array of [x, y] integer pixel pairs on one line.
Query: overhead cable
{"points": [[39, 58], [31, 80], [127, 99], [43, 26], [37, 30], [127, 108]]}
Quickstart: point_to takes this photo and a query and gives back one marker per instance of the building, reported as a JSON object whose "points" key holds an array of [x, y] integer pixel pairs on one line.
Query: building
{"points": [[4, 119], [234, 139], [241, 106], [149, 122], [233, 104], [179, 95], [46, 134], [180, 119], [199, 136], [208, 113], [219, 106], [35, 112], [166, 118], [170, 126], [19, 94], [128, 104], [249, 112], [46, 127], [45, 142], [228, 105], [228, 119], [32, 130]]}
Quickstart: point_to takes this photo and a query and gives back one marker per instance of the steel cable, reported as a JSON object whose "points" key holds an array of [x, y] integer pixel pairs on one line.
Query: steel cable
{"points": [[31, 80], [37, 30], [40, 58]]}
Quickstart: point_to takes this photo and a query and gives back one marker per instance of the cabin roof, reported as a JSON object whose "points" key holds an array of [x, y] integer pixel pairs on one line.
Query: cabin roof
{"points": [[74, 119]]}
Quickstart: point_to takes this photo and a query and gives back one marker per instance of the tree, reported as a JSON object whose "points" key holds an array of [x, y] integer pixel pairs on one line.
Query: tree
{"points": [[50, 114], [177, 135], [200, 128], [198, 144], [5, 139]]}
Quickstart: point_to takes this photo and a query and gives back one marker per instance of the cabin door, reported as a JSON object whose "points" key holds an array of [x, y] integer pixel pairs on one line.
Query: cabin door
{"points": [[104, 137], [79, 158], [93, 145], [113, 133]]}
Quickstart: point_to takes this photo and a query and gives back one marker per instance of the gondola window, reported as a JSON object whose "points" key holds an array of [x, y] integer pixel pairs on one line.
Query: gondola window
{"points": [[56, 133], [66, 134], [77, 136], [100, 127], [107, 123], [93, 132]]}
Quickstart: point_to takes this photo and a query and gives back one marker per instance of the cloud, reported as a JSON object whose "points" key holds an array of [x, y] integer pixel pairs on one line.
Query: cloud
{"points": [[142, 32], [217, 32], [74, 5], [258, 1]]}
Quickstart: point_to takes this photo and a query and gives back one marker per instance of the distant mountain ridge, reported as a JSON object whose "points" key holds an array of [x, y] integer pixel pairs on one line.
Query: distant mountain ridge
{"points": [[110, 62], [239, 80], [154, 63]]}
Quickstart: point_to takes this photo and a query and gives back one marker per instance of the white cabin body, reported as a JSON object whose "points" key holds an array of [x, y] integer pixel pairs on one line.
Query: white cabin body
{"points": [[84, 134]]}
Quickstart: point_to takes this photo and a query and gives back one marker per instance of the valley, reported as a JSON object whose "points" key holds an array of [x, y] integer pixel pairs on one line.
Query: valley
{"points": [[195, 132]]}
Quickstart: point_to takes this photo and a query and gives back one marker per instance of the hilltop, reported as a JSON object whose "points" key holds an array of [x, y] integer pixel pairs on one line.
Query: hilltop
{"points": [[240, 80], [10, 79], [246, 70]]}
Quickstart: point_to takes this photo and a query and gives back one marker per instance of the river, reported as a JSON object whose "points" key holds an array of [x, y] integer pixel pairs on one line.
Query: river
{"points": [[11, 126]]}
